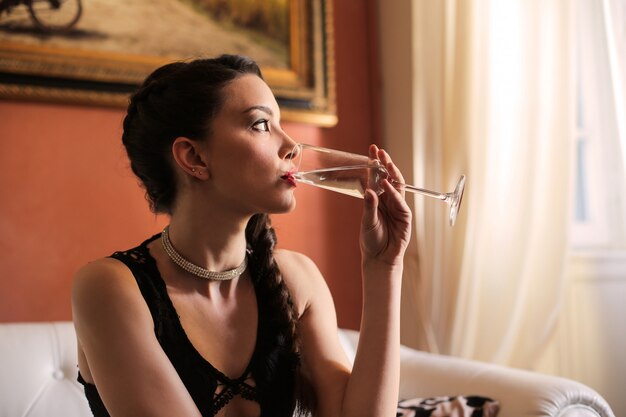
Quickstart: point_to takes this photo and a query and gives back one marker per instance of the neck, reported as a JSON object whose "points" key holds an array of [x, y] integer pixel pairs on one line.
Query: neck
{"points": [[211, 241]]}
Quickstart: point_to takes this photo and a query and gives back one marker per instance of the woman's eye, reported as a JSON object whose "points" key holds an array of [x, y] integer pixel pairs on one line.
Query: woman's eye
{"points": [[262, 126]]}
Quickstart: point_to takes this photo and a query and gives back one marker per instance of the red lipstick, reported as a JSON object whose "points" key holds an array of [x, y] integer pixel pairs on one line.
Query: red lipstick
{"points": [[288, 176]]}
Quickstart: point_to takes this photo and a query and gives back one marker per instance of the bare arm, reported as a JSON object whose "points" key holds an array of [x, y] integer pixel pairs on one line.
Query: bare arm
{"points": [[385, 234], [371, 387], [116, 334]]}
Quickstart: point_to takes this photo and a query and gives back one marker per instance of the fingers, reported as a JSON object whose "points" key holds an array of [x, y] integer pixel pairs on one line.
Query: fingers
{"points": [[395, 176], [373, 151], [370, 210], [396, 207], [393, 196], [376, 153], [393, 170]]}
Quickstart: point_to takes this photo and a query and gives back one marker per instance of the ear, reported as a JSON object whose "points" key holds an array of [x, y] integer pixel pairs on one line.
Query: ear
{"points": [[187, 154]]}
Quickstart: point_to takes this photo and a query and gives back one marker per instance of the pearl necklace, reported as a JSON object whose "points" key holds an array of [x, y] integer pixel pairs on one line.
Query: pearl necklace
{"points": [[196, 270]]}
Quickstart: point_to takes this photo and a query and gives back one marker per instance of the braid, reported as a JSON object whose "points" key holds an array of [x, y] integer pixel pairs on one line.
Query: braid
{"points": [[281, 316], [264, 238], [149, 159]]}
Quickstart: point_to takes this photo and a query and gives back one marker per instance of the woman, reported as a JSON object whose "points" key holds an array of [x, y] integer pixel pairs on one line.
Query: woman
{"points": [[161, 333]]}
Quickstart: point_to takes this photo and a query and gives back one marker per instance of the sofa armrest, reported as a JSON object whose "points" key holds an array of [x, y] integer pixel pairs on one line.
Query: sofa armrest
{"points": [[520, 393]]}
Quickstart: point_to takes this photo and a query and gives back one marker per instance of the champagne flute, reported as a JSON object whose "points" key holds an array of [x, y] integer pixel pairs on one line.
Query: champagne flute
{"points": [[352, 174]]}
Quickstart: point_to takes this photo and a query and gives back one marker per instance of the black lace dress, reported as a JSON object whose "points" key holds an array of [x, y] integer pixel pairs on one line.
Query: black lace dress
{"points": [[271, 367]]}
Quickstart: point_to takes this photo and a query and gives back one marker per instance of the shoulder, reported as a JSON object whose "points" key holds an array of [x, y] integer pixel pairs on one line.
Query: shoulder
{"points": [[106, 274], [302, 276], [290, 261], [104, 287]]}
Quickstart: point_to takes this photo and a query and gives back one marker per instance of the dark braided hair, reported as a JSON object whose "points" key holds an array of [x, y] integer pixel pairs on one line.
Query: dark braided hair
{"points": [[177, 99], [181, 99], [281, 319]]}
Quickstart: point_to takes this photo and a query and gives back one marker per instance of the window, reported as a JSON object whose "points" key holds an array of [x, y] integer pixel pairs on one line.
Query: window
{"points": [[599, 186]]}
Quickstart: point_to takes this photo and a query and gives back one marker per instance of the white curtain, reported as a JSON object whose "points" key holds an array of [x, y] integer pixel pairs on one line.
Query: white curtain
{"points": [[615, 35], [491, 97]]}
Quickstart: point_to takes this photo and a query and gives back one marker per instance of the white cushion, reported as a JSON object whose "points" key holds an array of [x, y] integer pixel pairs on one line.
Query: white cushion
{"points": [[38, 371]]}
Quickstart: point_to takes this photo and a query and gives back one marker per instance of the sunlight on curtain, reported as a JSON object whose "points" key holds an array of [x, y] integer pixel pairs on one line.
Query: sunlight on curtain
{"points": [[615, 32], [502, 111]]}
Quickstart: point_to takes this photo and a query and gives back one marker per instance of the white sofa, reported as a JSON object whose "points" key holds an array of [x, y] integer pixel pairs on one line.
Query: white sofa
{"points": [[38, 378]]}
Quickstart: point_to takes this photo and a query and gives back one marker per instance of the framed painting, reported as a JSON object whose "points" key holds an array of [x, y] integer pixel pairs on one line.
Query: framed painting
{"points": [[98, 51]]}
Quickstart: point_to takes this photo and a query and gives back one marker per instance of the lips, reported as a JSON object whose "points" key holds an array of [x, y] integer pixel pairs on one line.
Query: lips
{"points": [[288, 176]]}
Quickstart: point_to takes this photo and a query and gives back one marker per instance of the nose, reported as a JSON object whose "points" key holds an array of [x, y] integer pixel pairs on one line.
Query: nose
{"points": [[290, 148], [294, 153]]}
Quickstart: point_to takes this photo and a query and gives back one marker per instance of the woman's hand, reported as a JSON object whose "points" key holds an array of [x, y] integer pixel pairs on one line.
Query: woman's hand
{"points": [[386, 221]]}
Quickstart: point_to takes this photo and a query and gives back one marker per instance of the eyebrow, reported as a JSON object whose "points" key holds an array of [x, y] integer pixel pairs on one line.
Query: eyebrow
{"points": [[264, 109]]}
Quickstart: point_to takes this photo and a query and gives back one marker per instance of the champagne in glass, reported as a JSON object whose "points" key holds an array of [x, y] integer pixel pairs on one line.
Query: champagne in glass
{"points": [[352, 174], [350, 180]]}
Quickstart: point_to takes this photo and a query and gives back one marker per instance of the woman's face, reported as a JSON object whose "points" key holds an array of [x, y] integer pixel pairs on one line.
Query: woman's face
{"points": [[248, 152]]}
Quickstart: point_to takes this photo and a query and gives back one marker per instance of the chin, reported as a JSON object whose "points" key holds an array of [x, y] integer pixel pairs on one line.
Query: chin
{"points": [[286, 206]]}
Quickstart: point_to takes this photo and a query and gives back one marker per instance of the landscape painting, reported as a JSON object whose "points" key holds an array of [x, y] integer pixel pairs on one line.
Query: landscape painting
{"points": [[98, 51]]}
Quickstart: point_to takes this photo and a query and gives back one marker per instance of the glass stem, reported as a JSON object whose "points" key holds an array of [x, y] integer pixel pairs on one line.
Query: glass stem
{"points": [[440, 196]]}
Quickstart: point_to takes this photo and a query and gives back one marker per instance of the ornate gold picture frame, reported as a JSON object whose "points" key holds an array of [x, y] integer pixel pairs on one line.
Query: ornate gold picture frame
{"points": [[77, 66]]}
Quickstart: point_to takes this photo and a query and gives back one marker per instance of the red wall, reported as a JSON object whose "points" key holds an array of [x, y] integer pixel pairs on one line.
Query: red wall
{"points": [[67, 195]]}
